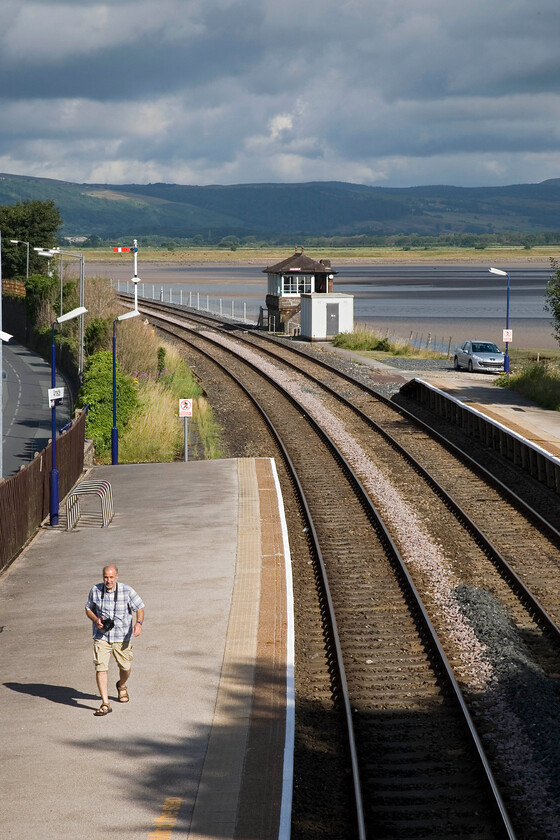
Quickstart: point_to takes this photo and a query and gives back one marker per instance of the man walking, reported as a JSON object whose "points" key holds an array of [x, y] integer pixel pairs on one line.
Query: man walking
{"points": [[110, 607]]}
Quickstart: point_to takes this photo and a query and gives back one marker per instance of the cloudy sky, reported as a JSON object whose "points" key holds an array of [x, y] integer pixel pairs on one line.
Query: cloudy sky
{"points": [[379, 92]]}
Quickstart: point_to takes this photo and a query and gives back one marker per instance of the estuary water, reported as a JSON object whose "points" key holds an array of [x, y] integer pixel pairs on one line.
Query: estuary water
{"points": [[450, 302]]}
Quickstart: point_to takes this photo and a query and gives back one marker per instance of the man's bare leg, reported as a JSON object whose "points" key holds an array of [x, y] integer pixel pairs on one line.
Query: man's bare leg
{"points": [[102, 686]]}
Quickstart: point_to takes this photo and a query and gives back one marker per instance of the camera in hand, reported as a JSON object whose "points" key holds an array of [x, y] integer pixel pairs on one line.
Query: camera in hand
{"points": [[108, 624]]}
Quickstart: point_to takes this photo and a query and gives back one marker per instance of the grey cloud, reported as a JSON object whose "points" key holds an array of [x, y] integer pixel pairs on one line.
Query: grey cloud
{"points": [[253, 89]]}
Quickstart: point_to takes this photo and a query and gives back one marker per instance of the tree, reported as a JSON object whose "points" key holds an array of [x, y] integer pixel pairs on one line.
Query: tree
{"points": [[552, 298], [36, 222]]}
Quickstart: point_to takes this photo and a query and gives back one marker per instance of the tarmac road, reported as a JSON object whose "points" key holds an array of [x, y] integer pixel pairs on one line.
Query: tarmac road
{"points": [[26, 425]]}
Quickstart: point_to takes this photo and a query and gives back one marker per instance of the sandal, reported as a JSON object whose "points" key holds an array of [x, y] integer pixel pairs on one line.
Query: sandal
{"points": [[123, 693], [104, 709]]}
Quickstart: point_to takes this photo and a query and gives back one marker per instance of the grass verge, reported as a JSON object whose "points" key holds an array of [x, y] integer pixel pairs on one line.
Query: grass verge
{"points": [[156, 433], [538, 381], [368, 341]]}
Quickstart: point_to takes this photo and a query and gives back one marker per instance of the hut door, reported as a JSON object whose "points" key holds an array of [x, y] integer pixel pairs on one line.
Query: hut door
{"points": [[332, 318]]}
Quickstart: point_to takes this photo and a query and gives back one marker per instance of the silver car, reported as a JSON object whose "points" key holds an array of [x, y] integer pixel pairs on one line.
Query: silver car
{"points": [[479, 355]]}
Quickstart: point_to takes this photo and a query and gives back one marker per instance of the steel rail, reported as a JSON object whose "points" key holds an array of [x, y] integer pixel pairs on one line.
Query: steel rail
{"points": [[394, 554], [499, 561], [332, 629], [441, 439], [517, 585]]}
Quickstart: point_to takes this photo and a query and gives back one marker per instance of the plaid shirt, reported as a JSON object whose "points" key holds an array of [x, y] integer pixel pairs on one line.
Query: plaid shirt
{"points": [[103, 604]]}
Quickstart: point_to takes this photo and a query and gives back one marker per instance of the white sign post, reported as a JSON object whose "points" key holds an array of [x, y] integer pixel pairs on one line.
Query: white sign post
{"points": [[185, 410], [56, 396]]}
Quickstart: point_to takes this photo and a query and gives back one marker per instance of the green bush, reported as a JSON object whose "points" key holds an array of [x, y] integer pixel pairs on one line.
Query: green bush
{"points": [[39, 289], [537, 382], [97, 391], [97, 335]]}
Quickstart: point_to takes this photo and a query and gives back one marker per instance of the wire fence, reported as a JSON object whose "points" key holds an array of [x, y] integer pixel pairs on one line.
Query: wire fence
{"points": [[246, 311]]}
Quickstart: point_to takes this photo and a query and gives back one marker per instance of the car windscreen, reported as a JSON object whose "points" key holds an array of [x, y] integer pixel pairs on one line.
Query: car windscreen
{"points": [[485, 347]]}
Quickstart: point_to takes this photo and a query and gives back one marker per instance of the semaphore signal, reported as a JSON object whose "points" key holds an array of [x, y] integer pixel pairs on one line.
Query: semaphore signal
{"points": [[134, 249]]}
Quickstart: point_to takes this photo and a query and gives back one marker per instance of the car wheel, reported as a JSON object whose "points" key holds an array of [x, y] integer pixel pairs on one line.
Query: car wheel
{"points": [[456, 363], [470, 366]]}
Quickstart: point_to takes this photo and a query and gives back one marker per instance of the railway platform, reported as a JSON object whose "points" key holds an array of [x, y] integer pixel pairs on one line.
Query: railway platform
{"points": [[538, 425], [204, 747]]}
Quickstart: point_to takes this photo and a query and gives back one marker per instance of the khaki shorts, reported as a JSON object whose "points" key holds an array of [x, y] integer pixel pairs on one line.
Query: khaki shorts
{"points": [[102, 650]]}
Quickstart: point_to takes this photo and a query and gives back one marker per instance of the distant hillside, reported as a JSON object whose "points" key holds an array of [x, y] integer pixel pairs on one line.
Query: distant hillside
{"points": [[268, 210]]}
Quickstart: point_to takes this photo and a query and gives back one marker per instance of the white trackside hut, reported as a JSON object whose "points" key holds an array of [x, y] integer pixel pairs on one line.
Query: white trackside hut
{"points": [[324, 316]]}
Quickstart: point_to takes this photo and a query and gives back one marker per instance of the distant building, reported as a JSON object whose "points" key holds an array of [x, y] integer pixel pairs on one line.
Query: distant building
{"points": [[288, 280]]}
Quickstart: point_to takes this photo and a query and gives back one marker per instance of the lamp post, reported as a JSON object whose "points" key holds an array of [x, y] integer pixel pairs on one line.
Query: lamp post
{"points": [[506, 275], [21, 242], [4, 336], [53, 478], [114, 431], [51, 252]]}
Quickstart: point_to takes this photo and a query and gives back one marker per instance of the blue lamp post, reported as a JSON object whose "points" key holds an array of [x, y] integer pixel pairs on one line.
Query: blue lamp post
{"points": [[506, 275], [53, 478], [114, 431]]}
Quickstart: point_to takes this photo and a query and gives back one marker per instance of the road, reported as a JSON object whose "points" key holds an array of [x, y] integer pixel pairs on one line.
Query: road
{"points": [[26, 422]]}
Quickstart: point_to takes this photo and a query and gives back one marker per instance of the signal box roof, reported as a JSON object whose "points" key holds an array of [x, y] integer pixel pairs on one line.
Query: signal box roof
{"points": [[299, 262]]}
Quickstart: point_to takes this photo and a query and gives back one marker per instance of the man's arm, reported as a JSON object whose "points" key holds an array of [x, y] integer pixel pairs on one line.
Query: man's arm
{"points": [[93, 618], [139, 619]]}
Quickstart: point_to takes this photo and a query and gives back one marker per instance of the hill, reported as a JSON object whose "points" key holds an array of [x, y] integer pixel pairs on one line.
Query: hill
{"points": [[268, 210]]}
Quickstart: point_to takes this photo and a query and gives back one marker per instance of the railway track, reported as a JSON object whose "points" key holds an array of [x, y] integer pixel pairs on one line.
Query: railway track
{"points": [[387, 530]]}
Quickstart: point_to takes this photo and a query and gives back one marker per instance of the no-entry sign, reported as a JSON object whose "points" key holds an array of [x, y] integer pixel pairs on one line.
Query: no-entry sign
{"points": [[185, 408]]}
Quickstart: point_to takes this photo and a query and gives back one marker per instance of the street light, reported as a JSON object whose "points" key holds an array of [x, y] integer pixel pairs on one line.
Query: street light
{"points": [[53, 502], [504, 274], [52, 252], [4, 336], [114, 431], [21, 242]]}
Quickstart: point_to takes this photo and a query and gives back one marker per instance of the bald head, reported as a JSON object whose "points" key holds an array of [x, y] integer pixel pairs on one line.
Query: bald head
{"points": [[110, 577]]}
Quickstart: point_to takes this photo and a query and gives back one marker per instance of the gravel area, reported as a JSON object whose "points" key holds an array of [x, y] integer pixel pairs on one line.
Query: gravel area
{"points": [[518, 704]]}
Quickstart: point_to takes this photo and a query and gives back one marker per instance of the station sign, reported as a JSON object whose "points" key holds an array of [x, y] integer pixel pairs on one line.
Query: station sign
{"points": [[56, 396]]}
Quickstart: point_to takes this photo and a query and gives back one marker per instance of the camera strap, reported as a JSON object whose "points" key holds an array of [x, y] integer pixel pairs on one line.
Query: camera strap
{"points": [[105, 592]]}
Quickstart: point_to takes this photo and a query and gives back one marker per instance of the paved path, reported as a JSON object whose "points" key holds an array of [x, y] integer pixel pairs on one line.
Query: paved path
{"points": [[203, 544]]}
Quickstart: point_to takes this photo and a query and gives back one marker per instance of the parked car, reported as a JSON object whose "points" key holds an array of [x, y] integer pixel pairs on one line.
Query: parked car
{"points": [[479, 355]]}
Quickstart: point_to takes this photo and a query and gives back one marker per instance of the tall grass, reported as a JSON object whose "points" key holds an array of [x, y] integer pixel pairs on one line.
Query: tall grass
{"points": [[153, 434], [364, 339], [538, 382], [207, 428], [162, 377]]}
